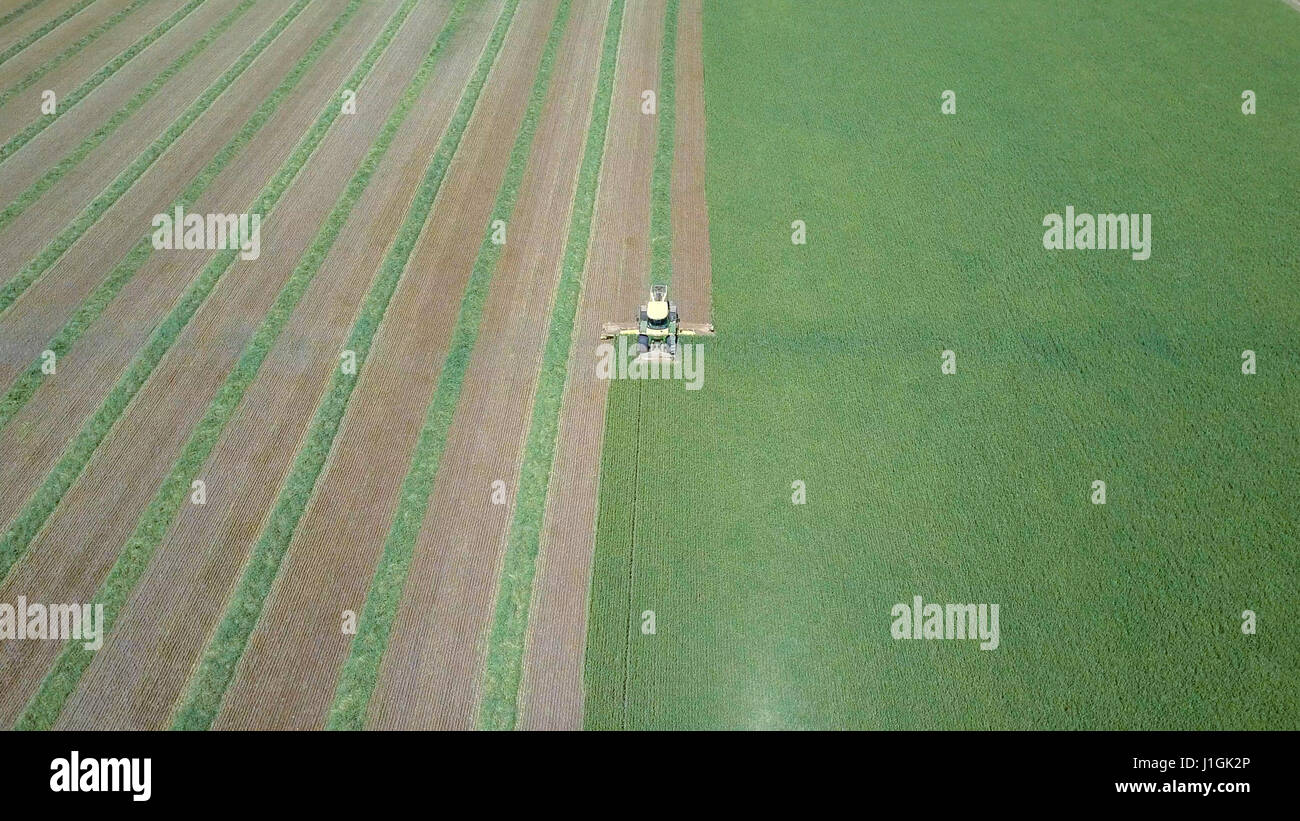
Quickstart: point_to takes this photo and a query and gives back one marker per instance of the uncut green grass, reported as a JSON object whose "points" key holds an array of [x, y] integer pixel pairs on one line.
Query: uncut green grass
{"points": [[924, 234], [208, 685], [93, 81]]}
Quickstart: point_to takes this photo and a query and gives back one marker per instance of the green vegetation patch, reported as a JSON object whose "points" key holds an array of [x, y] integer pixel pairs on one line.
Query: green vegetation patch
{"points": [[925, 234]]}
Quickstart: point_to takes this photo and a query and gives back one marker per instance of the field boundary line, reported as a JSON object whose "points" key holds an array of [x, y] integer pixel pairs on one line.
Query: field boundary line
{"points": [[92, 213], [75, 456], [502, 669], [28, 381], [95, 80], [361, 669], [11, 16], [44, 708], [70, 52], [212, 677], [22, 44]]}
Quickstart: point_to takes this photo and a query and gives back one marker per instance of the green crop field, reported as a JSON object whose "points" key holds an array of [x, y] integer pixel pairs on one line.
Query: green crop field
{"points": [[924, 235]]}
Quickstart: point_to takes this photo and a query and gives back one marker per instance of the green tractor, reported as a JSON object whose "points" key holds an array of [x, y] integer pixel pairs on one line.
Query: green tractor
{"points": [[657, 323], [657, 327]]}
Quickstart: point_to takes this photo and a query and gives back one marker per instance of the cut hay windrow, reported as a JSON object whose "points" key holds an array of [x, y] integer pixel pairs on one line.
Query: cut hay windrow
{"points": [[93, 82], [78, 452], [13, 15], [661, 227], [504, 663], [90, 309], [71, 51], [45, 706], [213, 676], [361, 670], [92, 212], [68, 14]]}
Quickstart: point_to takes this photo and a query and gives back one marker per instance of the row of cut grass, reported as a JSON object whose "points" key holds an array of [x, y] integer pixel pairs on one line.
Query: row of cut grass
{"points": [[71, 51], [74, 458], [24, 8], [93, 81], [96, 209], [502, 669], [43, 30], [25, 385], [361, 670], [661, 227], [208, 686], [45, 706]]}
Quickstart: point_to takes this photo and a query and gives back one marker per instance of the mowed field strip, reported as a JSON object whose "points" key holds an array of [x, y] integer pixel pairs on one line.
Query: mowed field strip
{"points": [[193, 389], [113, 350], [400, 364], [91, 468], [325, 490], [78, 59], [473, 426], [66, 283], [27, 121], [389, 311], [199, 558], [84, 183], [329, 562], [31, 28]]}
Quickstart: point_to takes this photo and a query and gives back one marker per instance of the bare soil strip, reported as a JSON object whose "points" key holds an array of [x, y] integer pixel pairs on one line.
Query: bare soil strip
{"points": [[142, 669], [433, 664], [692, 285], [288, 674], [123, 472], [36, 435], [82, 34], [616, 276], [22, 99]]}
